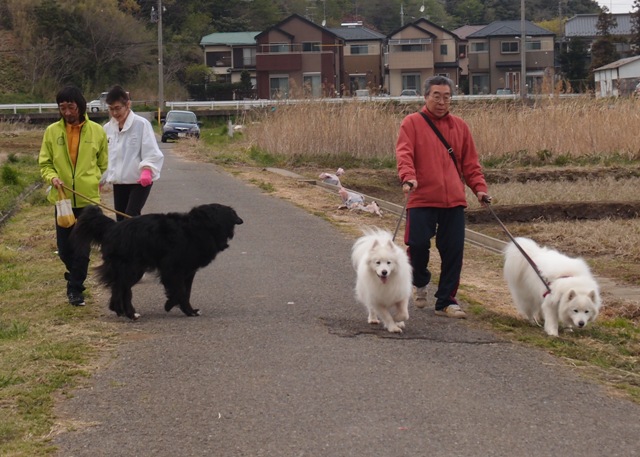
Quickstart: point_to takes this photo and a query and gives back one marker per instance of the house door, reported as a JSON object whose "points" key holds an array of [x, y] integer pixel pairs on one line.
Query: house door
{"points": [[512, 81]]}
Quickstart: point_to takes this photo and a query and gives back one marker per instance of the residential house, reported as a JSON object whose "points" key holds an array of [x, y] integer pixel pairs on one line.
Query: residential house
{"points": [[495, 59], [363, 52], [229, 54], [463, 54], [297, 58], [617, 78], [419, 50], [585, 26]]}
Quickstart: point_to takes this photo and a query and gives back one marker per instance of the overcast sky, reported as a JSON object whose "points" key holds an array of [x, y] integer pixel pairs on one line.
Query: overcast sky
{"points": [[617, 6]]}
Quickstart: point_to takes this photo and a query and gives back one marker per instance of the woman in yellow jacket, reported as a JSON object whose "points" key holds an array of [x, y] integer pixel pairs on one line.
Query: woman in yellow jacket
{"points": [[74, 152]]}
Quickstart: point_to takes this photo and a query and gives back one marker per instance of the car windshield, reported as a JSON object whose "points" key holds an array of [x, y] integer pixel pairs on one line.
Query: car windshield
{"points": [[186, 118]]}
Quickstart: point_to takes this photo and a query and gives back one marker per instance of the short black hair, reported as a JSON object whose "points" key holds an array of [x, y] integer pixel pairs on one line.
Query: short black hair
{"points": [[117, 94], [437, 81], [71, 94]]}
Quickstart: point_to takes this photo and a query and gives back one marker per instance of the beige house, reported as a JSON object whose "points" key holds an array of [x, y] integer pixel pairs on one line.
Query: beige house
{"points": [[495, 57], [419, 50], [228, 54]]}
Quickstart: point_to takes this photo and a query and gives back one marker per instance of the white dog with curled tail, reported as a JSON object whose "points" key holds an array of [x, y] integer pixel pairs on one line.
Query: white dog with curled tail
{"points": [[384, 278]]}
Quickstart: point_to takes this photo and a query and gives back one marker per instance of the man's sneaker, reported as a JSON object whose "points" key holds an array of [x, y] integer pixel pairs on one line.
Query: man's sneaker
{"points": [[76, 299], [420, 296], [453, 311]]}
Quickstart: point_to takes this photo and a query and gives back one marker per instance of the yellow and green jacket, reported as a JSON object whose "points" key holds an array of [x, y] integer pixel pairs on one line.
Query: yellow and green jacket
{"points": [[92, 161]]}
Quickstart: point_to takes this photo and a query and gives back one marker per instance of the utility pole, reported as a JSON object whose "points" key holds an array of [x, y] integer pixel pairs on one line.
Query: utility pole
{"points": [[160, 68], [523, 54]]}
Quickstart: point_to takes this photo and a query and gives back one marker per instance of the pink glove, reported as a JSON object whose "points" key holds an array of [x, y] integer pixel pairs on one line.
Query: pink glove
{"points": [[145, 177]]}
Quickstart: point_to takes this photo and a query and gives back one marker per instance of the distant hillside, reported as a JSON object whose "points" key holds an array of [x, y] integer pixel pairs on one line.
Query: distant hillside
{"points": [[12, 77]]}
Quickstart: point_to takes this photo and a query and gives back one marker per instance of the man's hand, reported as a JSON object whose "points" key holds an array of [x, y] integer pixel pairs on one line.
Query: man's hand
{"points": [[56, 182], [484, 198], [409, 185]]}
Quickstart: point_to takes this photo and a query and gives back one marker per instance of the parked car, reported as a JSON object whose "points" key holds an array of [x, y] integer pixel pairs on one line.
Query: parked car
{"points": [[409, 93], [504, 92], [95, 106], [180, 124], [362, 94]]}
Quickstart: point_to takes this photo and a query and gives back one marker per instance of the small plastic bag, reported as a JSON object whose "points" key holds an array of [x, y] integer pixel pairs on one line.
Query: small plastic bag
{"points": [[64, 212]]}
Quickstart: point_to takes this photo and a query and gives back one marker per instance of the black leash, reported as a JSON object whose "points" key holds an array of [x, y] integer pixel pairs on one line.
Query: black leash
{"points": [[487, 200], [404, 208]]}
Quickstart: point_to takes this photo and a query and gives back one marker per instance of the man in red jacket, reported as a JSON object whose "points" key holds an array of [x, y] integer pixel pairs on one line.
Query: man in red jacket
{"points": [[436, 177]]}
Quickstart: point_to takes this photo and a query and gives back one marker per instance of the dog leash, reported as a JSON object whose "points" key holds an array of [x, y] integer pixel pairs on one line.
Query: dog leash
{"points": [[404, 208], [95, 202], [486, 199]]}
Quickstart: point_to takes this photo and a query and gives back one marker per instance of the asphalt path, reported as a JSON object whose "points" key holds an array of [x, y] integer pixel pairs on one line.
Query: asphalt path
{"points": [[283, 363]]}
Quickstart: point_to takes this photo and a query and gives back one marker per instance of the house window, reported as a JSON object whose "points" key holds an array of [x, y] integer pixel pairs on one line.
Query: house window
{"points": [[411, 48], [411, 81], [311, 46], [509, 47], [249, 57], [279, 47], [479, 47], [359, 49], [462, 51], [480, 85], [446, 75], [218, 59], [279, 86], [533, 45], [311, 85], [443, 50]]}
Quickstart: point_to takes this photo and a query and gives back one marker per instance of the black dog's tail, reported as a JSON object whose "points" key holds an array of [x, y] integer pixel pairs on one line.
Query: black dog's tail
{"points": [[91, 227]]}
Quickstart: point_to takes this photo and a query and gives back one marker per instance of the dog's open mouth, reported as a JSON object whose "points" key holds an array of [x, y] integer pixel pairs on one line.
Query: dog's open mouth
{"points": [[383, 279]]}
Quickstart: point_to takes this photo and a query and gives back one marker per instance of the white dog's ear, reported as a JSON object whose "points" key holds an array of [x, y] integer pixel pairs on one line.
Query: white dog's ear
{"points": [[571, 295], [592, 296], [391, 245], [375, 244]]}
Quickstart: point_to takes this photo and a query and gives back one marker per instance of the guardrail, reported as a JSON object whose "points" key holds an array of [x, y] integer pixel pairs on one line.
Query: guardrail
{"points": [[264, 103], [29, 106]]}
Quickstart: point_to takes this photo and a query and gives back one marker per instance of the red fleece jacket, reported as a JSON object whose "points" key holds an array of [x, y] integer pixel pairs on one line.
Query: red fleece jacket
{"points": [[422, 156]]}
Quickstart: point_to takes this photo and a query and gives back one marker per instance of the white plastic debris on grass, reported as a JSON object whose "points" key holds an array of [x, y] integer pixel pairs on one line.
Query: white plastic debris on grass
{"points": [[355, 201], [332, 178]]}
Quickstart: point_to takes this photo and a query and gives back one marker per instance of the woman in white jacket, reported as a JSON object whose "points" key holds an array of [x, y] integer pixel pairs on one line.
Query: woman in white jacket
{"points": [[135, 160]]}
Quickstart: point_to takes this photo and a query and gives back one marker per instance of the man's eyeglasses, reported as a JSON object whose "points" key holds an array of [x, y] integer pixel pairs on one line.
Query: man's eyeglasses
{"points": [[441, 98], [116, 108]]}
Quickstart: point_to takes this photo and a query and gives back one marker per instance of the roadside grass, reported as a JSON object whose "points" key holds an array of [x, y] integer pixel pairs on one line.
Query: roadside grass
{"points": [[46, 346]]}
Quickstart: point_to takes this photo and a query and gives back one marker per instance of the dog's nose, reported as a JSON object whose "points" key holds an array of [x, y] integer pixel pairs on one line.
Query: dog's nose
{"points": [[581, 324], [383, 272]]}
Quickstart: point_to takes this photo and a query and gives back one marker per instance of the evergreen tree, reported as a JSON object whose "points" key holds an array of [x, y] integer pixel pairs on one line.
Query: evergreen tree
{"points": [[574, 63], [603, 50]]}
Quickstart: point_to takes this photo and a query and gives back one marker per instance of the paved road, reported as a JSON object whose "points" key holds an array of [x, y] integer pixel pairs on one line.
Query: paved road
{"points": [[282, 362]]}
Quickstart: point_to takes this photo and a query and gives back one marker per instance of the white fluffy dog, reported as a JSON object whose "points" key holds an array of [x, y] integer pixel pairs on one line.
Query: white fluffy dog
{"points": [[574, 300], [384, 278]]}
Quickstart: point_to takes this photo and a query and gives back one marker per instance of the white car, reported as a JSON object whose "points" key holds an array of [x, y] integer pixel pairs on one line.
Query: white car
{"points": [[96, 106]]}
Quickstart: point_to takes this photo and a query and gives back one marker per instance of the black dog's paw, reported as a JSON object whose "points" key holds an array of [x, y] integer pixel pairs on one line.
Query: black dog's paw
{"points": [[168, 306], [196, 312]]}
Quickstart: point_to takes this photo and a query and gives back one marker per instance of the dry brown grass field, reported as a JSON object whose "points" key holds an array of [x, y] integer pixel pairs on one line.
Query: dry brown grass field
{"points": [[546, 147]]}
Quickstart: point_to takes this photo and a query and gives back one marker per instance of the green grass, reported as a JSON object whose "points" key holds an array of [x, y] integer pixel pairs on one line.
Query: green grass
{"points": [[46, 345]]}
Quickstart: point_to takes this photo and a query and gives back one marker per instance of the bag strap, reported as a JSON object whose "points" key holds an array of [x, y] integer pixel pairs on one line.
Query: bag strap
{"points": [[61, 194], [444, 141]]}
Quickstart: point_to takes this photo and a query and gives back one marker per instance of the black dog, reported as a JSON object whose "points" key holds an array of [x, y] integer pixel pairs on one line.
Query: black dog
{"points": [[174, 244]]}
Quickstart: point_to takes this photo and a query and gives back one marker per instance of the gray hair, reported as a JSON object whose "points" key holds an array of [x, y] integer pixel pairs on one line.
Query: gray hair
{"points": [[437, 81]]}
